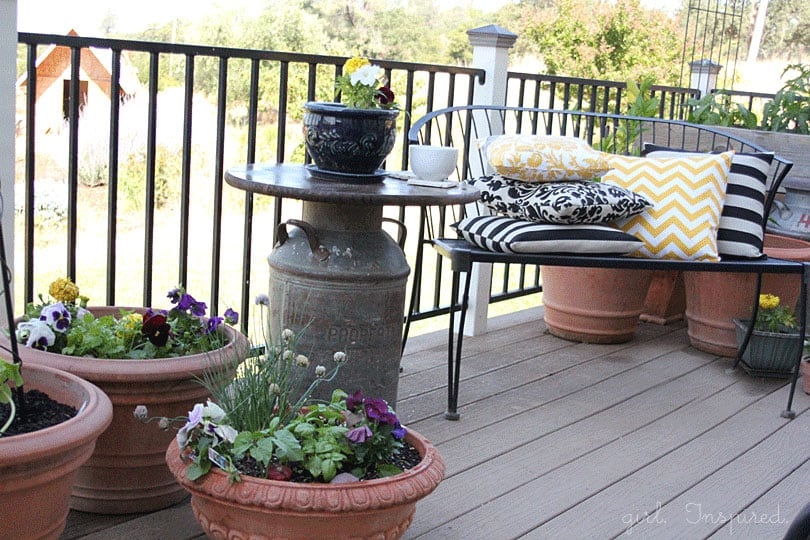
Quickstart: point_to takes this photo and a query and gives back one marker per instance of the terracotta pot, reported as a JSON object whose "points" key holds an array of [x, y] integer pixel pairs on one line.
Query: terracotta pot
{"points": [[38, 469], [714, 299], [805, 371], [257, 508], [127, 472], [594, 305]]}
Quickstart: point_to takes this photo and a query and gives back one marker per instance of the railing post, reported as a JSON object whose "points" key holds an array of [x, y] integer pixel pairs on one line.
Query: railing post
{"points": [[491, 46], [8, 69]]}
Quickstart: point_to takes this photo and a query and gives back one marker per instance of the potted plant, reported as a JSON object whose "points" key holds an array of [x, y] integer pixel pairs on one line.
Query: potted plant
{"points": [[49, 429], [350, 140], [260, 462], [785, 119], [135, 355], [775, 341]]}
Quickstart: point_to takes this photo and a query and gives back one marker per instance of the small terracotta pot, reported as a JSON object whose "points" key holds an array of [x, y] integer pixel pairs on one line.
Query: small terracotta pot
{"points": [[594, 305], [127, 472], [38, 469], [257, 508]]}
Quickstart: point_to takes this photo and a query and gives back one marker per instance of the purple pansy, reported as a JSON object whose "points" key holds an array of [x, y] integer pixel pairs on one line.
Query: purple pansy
{"points": [[398, 432], [359, 435], [355, 400], [212, 325], [377, 409], [231, 316]]}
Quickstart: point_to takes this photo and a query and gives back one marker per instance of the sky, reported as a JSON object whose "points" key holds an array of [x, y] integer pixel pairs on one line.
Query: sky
{"points": [[53, 16], [86, 16]]}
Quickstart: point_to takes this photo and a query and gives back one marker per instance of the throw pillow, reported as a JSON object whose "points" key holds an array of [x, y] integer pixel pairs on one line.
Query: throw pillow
{"points": [[740, 232], [544, 158], [509, 235], [687, 195], [565, 203]]}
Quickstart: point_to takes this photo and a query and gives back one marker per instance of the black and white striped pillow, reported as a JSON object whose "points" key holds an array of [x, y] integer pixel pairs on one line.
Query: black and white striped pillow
{"points": [[508, 235], [740, 232]]}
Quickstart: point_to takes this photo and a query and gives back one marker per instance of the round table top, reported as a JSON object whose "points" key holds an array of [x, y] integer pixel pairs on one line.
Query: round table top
{"points": [[296, 182]]}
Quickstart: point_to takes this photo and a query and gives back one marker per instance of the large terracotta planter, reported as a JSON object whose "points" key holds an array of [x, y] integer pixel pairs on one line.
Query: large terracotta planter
{"points": [[267, 509], [805, 373], [127, 472], [38, 469], [594, 305], [714, 299]]}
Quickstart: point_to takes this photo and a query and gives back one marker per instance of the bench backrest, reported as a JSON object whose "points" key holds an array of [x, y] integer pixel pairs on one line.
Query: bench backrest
{"points": [[464, 127]]}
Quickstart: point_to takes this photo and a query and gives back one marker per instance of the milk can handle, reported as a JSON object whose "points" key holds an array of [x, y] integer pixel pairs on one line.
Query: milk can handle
{"points": [[309, 231], [403, 231]]}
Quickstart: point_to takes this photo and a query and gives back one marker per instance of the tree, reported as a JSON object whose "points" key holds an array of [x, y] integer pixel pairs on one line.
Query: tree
{"points": [[589, 38]]}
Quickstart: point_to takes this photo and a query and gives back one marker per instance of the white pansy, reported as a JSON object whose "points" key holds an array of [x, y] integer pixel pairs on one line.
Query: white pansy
{"points": [[36, 332], [213, 411], [340, 357], [367, 75], [320, 371], [226, 433], [141, 412], [301, 361]]}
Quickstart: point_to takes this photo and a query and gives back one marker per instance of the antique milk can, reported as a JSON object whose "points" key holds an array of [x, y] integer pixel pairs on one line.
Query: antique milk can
{"points": [[339, 280]]}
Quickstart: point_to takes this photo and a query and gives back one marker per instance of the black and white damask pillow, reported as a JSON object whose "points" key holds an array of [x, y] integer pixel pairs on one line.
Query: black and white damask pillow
{"points": [[508, 235], [564, 203]]}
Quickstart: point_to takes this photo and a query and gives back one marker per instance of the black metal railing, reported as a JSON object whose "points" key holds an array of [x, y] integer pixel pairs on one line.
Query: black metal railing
{"points": [[255, 100], [266, 88], [578, 94]]}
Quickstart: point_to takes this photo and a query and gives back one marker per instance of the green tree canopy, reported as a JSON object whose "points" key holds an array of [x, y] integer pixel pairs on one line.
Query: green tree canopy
{"points": [[621, 41]]}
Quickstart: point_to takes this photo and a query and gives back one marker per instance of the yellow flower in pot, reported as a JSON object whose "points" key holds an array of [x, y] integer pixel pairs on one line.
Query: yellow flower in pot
{"points": [[773, 317], [774, 344]]}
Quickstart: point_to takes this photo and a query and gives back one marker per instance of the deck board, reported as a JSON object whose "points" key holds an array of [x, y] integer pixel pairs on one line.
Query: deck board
{"points": [[570, 440]]}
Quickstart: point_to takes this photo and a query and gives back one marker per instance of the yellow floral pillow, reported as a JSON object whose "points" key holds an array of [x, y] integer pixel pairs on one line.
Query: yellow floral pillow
{"points": [[687, 195], [544, 158]]}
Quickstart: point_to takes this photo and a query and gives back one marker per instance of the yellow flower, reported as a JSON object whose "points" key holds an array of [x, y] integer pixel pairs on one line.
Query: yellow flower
{"points": [[63, 290], [768, 301], [129, 325], [354, 63]]}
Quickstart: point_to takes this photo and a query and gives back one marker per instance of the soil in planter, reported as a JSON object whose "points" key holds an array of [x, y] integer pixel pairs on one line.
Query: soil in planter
{"points": [[40, 412], [406, 458]]}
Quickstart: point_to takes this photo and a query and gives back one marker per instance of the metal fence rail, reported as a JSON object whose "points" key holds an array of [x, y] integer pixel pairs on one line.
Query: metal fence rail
{"points": [[420, 88], [256, 98]]}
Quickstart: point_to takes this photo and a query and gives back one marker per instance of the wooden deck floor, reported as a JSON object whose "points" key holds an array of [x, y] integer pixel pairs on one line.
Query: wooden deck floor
{"points": [[649, 439]]}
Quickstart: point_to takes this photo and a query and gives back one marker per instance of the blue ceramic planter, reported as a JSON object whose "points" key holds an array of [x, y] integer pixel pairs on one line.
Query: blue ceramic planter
{"points": [[345, 141]]}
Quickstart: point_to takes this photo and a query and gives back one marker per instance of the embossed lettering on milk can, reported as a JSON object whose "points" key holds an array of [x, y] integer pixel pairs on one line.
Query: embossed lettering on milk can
{"points": [[345, 291]]}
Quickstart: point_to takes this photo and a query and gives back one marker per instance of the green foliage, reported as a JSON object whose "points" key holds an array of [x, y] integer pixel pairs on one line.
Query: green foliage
{"points": [[132, 177], [63, 325], [587, 38], [774, 317], [789, 110], [787, 29], [9, 378], [640, 103], [718, 109]]}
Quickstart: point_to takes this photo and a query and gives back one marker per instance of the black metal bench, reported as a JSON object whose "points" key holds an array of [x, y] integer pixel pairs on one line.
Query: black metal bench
{"points": [[462, 126]]}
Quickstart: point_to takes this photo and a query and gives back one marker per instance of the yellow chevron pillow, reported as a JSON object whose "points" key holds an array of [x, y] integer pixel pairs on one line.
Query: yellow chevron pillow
{"points": [[687, 195], [544, 158]]}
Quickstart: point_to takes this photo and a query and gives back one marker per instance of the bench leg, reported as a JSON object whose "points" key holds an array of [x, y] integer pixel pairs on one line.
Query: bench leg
{"points": [[454, 344], [789, 413], [750, 330]]}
